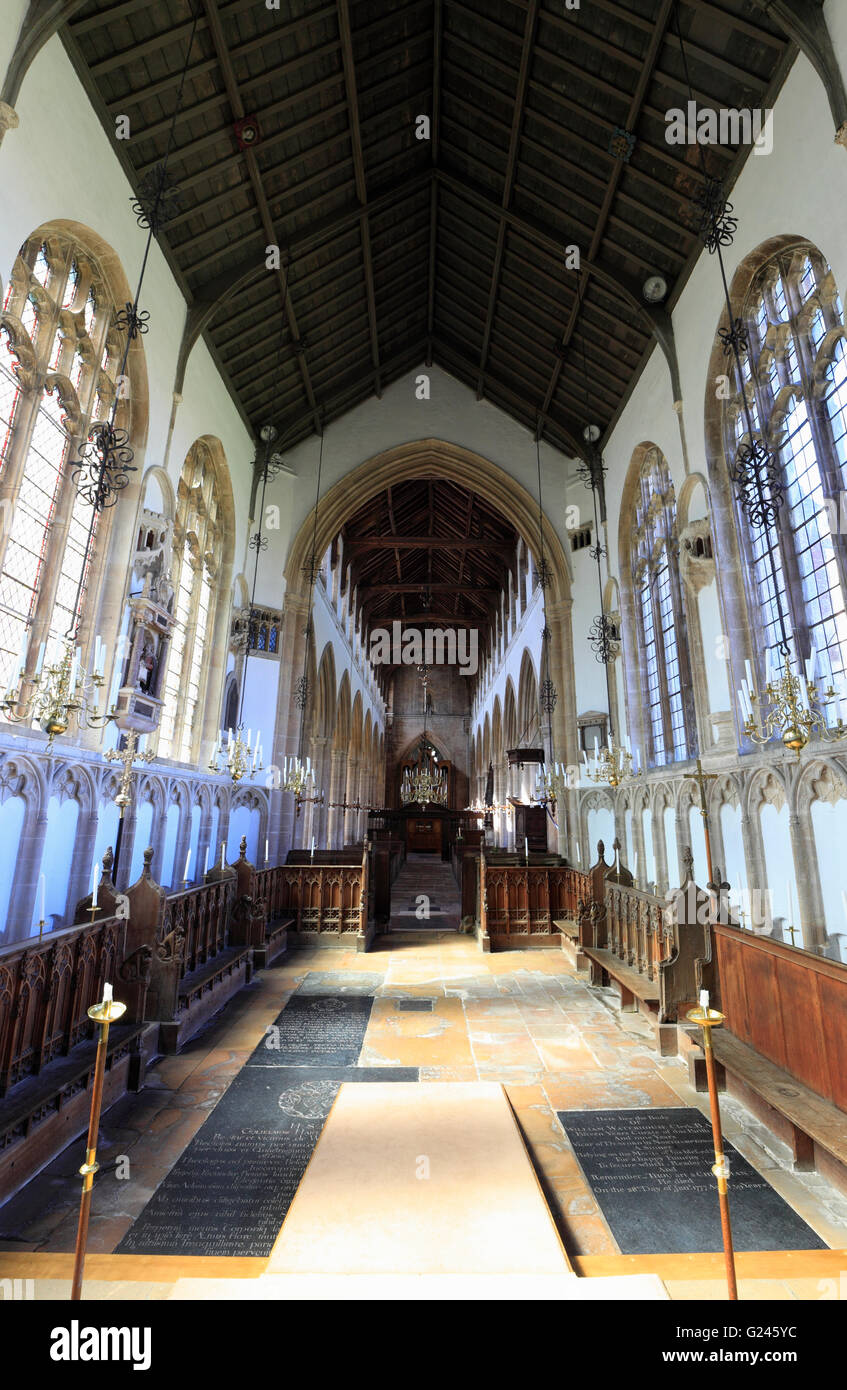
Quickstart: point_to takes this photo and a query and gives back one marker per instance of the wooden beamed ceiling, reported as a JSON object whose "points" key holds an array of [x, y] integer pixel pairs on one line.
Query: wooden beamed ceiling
{"points": [[397, 250], [429, 552]]}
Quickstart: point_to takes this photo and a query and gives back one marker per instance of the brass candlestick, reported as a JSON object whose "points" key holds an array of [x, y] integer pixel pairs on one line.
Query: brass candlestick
{"points": [[707, 1019], [106, 1012], [793, 931]]}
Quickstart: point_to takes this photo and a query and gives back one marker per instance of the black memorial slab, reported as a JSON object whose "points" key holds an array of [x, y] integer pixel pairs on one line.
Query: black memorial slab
{"points": [[229, 1192], [315, 1030], [650, 1171]]}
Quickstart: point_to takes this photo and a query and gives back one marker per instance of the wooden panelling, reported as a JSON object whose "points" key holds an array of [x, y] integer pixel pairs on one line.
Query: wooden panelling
{"points": [[790, 1005]]}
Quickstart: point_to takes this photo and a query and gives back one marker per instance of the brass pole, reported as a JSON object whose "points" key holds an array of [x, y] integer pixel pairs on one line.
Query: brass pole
{"points": [[708, 1019], [108, 1011]]}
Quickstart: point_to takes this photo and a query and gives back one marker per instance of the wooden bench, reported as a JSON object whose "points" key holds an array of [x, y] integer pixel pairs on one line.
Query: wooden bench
{"points": [[658, 953], [275, 943], [784, 1043], [569, 932], [43, 1113], [202, 992], [812, 1119]]}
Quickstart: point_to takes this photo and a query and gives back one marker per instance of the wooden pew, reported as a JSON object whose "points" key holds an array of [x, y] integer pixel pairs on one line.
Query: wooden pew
{"points": [[48, 1042], [783, 1047], [657, 951], [195, 964], [527, 905], [327, 898]]}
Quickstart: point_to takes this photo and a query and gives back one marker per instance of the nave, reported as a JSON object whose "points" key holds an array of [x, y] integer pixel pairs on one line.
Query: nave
{"points": [[441, 1012]]}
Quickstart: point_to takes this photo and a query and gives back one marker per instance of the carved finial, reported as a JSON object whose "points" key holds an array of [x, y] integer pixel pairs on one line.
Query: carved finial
{"points": [[108, 861], [616, 844], [601, 851], [242, 848], [688, 861], [147, 872]]}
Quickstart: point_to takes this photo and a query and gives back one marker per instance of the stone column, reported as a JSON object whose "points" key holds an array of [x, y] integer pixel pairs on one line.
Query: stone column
{"points": [[337, 784], [286, 734], [809, 910], [27, 870], [79, 878], [351, 818], [660, 852]]}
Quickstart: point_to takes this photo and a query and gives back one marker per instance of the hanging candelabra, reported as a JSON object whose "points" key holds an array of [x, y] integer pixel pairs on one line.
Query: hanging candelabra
{"points": [[60, 692], [426, 782], [613, 763], [239, 756], [790, 707], [550, 784]]}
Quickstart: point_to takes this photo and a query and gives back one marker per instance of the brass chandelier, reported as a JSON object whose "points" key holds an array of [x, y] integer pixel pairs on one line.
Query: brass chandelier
{"points": [[61, 692]]}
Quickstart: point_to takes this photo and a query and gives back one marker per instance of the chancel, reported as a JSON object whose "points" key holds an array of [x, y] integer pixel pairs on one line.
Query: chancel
{"points": [[423, 646]]}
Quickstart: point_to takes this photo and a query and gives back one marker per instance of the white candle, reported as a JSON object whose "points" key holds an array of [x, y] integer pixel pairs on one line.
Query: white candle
{"points": [[94, 885], [187, 862], [43, 885], [267, 854], [107, 994], [223, 846], [40, 662], [576, 848], [635, 875], [206, 865], [526, 846], [616, 862], [704, 1000], [790, 901]]}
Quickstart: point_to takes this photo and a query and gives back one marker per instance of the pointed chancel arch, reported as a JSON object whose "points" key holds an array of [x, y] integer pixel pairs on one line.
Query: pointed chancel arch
{"points": [[421, 459]]}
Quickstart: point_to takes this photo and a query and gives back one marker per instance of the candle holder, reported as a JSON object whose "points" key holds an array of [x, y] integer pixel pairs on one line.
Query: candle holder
{"points": [[793, 931], [60, 694], [707, 1019], [103, 1014], [791, 706]]}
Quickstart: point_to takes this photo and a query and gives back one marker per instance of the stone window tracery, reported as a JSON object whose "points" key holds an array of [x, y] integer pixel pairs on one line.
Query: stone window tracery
{"points": [[197, 553], [56, 320], [659, 617], [795, 374]]}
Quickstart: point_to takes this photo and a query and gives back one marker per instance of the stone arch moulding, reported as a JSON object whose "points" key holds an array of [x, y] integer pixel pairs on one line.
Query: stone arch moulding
{"points": [[426, 458]]}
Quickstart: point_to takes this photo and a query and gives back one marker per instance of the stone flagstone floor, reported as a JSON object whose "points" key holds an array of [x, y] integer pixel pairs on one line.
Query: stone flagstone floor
{"points": [[520, 1018]]}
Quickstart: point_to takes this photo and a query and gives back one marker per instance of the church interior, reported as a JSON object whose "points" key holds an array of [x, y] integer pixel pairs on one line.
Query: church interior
{"points": [[423, 650]]}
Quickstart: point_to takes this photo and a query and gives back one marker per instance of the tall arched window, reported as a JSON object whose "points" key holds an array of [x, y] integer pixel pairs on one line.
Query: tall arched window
{"points": [[197, 556], [60, 353], [794, 378], [665, 675]]}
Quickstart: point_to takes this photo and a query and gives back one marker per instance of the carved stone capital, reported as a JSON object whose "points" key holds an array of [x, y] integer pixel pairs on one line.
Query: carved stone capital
{"points": [[9, 119], [696, 559]]}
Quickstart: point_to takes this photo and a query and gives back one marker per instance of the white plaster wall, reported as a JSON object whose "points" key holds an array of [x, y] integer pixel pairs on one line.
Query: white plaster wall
{"points": [[11, 18], [79, 179], [452, 413]]}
